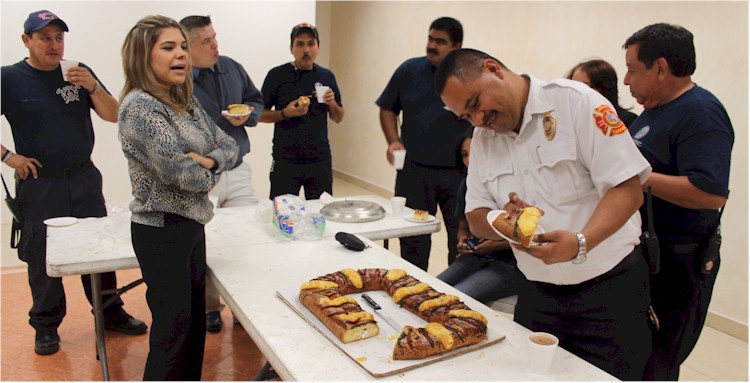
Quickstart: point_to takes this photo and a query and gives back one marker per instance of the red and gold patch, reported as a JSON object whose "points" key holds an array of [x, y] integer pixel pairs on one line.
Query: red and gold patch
{"points": [[608, 122]]}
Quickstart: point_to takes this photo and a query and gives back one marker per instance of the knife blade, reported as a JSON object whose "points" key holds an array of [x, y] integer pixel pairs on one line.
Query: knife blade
{"points": [[379, 311]]}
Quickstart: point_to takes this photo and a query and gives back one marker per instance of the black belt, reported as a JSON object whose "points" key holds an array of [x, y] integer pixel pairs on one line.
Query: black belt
{"points": [[629, 261], [681, 248], [63, 173]]}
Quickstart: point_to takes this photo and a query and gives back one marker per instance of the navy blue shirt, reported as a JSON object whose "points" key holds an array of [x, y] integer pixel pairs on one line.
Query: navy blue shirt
{"points": [[49, 117], [429, 133], [233, 86], [689, 136], [302, 139]]}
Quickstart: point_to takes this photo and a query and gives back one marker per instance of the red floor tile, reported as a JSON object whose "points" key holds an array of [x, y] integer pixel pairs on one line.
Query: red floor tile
{"points": [[230, 354]]}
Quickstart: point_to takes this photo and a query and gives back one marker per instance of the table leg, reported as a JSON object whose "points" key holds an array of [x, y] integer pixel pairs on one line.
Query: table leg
{"points": [[101, 349], [265, 373], [385, 243]]}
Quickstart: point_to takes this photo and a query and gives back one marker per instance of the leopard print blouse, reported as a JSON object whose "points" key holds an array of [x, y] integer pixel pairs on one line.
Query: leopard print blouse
{"points": [[164, 178]]}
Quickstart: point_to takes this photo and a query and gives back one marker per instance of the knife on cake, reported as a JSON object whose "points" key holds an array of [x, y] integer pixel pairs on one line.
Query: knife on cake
{"points": [[379, 311]]}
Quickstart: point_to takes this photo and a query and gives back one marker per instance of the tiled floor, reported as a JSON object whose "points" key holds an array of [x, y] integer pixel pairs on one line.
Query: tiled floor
{"points": [[230, 354]]}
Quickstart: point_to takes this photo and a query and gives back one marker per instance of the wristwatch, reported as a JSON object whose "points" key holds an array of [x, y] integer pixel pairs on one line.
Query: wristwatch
{"points": [[96, 89], [581, 256]]}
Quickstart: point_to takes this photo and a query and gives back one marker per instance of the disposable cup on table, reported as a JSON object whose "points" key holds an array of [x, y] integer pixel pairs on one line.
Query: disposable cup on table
{"points": [[541, 348], [397, 205]]}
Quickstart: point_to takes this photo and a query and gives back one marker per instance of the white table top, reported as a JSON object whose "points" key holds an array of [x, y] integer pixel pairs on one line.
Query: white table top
{"points": [[97, 245], [248, 278]]}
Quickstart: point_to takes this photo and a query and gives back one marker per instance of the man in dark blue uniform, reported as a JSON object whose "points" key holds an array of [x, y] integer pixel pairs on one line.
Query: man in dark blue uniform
{"points": [[51, 123], [431, 137], [219, 81], [686, 135], [301, 152]]}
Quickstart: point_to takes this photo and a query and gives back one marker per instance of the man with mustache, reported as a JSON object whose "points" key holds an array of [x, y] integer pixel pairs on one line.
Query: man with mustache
{"points": [[687, 136], [301, 152], [219, 81], [559, 145], [50, 118], [431, 137]]}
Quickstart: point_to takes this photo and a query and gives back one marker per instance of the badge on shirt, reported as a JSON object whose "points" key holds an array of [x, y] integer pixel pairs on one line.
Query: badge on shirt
{"points": [[608, 122], [550, 126]]}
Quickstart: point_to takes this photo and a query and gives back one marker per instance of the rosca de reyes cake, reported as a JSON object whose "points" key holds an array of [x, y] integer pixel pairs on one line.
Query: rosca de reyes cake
{"points": [[451, 324]]}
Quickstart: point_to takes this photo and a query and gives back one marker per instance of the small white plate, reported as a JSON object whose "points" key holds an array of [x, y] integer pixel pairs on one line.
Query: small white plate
{"points": [[492, 215], [411, 218], [226, 113], [61, 221]]}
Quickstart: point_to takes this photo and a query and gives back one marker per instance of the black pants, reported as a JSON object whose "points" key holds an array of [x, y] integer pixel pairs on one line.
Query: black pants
{"points": [[287, 178], [680, 294], [604, 320], [426, 188], [173, 263], [47, 197]]}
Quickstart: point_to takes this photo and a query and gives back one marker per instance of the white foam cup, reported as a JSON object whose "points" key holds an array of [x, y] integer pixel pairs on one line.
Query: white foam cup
{"points": [[399, 156], [320, 92], [65, 65], [397, 205], [541, 351]]}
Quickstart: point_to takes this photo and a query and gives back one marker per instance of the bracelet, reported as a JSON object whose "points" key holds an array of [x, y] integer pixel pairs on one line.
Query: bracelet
{"points": [[283, 115], [7, 156]]}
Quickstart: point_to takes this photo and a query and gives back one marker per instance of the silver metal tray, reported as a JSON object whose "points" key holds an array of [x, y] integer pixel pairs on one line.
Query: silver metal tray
{"points": [[353, 211]]}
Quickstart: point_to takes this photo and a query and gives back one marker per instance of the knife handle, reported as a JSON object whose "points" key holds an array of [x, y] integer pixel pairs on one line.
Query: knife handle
{"points": [[371, 302]]}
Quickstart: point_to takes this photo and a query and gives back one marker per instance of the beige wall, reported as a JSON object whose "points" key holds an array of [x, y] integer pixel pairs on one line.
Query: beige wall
{"points": [[363, 42], [370, 39]]}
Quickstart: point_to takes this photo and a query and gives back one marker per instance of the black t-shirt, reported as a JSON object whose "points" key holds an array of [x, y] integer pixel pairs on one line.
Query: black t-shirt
{"points": [[302, 139], [429, 133], [49, 117], [690, 136]]}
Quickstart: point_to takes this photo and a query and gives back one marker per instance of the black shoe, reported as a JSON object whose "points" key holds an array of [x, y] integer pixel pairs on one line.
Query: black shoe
{"points": [[125, 324], [213, 321], [46, 342]]}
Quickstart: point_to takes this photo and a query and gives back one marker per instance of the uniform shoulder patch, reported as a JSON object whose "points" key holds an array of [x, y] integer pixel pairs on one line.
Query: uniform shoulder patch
{"points": [[608, 122]]}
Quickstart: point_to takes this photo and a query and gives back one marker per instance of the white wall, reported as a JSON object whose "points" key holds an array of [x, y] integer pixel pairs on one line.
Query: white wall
{"points": [[370, 39], [256, 34]]}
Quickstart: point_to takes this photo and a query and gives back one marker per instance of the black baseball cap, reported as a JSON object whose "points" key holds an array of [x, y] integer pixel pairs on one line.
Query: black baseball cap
{"points": [[40, 19], [304, 27]]}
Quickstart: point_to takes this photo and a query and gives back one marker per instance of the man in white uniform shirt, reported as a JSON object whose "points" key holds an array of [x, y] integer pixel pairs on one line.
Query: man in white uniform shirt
{"points": [[560, 146]]}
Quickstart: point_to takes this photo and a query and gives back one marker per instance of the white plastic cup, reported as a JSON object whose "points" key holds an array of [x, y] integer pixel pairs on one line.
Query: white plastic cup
{"points": [[397, 206], [320, 92], [65, 65], [541, 351], [399, 156]]}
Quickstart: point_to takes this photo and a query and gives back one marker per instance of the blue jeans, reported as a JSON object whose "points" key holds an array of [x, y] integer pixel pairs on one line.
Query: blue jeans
{"points": [[484, 279]]}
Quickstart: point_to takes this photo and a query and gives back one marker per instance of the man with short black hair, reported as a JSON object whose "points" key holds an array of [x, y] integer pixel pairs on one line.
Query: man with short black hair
{"points": [[301, 151], [559, 145], [431, 137], [51, 123], [687, 136], [219, 81]]}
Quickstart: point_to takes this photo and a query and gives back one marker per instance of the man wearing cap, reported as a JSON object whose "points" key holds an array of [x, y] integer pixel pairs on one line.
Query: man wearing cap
{"points": [[54, 138], [219, 81], [301, 153], [431, 137]]}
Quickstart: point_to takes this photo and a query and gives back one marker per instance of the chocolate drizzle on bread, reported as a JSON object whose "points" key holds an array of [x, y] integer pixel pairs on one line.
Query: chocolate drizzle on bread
{"points": [[451, 324]]}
